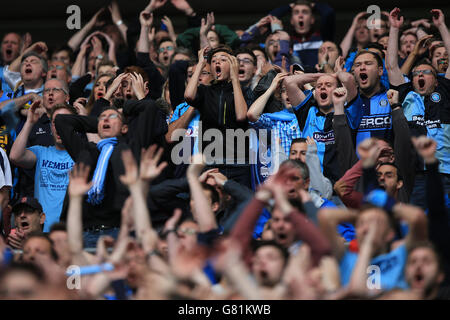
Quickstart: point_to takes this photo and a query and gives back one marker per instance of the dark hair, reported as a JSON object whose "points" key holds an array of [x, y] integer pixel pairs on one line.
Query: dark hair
{"points": [[377, 57], [425, 62], [303, 2], [393, 224], [258, 48], [26, 267], [399, 175], [142, 72], [298, 140], [428, 245], [58, 226], [223, 48], [338, 47], [164, 40], [62, 106], [91, 100], [264, 243], [376, 45], [38, 234], [214, 194], [64, 47], [299, 165], [246, 51]]}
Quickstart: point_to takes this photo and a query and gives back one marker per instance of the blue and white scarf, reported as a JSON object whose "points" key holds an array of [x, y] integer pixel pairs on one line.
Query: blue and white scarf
{"points": [[106, 148]]}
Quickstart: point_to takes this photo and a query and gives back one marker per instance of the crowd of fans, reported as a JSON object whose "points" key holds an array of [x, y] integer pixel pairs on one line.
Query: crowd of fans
{"points": [[266, 163]]}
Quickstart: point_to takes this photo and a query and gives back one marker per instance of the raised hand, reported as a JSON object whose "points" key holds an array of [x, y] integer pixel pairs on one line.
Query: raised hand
{"points": [[369, 151], [426, 148], [115, 85], [79, 105], [395, 19], [392, 96], [234, 67], [138, 85], [172, 222], [438, 17], [339, 64], [156, 4], [196, 166], [35, 111], [339, 96], [278, 80], [149, 168], [78, 183], [115, 11], [131, 170], [146, 18]]}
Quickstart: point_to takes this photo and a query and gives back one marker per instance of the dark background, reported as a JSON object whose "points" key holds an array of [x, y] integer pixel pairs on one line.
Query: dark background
{"points": [[46, 19]]}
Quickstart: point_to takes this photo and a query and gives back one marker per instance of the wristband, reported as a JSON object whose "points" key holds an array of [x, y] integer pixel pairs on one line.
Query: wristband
{"points": [[119, 22], [395, 105]]}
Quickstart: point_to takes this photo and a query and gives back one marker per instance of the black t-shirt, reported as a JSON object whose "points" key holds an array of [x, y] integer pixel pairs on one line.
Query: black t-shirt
{"points": [[217, 111]]}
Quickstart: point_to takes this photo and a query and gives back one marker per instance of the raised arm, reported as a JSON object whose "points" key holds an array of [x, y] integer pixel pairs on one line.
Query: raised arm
{"points": [[78, 37], [19, 155], [138, 185], [329, 219], [240, 105], [295, 83], [203, 213], [146, 20], [257, 108], [191, 88], [346, 43], [394, 73], [117, 19], [439, 22], [416, 220], [78, 187]]}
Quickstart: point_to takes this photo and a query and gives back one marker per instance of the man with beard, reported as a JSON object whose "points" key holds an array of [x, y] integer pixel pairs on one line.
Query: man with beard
{"points": [[425, 103]]}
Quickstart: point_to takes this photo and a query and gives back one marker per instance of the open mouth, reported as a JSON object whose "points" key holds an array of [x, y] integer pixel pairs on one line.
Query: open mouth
{"points": [[218, 71], [53, 76], [24, 224], [28, 70], [8, 52], [363, 77], [323, 96], [100, 94], [241, 71], [421, 83], [301, 24], [263, 274], [282, 236], [106, 126], [50, 100], [129, 96]]}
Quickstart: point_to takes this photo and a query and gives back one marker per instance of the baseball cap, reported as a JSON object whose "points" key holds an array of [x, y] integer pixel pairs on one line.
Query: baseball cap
{"points": [[27, 201]]}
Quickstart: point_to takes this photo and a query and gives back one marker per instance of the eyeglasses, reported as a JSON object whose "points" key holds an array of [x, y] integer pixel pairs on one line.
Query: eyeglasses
{"points": [[169, 48], [54, 90], [111, 116], [57, 67], [245, 61], [418, 72]]}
